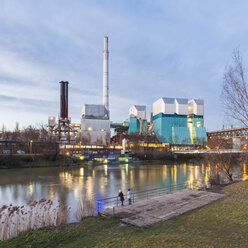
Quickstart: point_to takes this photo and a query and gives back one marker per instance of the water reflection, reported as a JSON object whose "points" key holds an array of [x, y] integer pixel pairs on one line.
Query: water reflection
{"points": [[245, 176], [70, 186]]}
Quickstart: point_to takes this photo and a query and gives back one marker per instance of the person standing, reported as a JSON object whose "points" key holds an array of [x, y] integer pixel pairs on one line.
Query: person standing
{"points": [[129, 196], [121, 197]]}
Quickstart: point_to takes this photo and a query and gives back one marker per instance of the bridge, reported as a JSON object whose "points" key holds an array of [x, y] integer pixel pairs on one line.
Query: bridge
{"points": [[210, 151], [233, 132]]}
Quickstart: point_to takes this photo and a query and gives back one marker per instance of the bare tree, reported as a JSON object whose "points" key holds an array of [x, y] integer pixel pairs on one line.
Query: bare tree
{"points": [[235, 90], [224, 162]]}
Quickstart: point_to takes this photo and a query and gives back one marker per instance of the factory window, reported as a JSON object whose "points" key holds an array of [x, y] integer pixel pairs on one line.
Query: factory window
{"points": [[198, 124]]}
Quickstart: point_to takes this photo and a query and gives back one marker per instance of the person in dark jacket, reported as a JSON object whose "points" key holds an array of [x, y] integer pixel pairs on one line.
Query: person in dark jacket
{"points": [[121, 197]]}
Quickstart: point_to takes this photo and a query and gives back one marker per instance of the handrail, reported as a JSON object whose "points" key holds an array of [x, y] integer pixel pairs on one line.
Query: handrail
{"points": [[103, 203]]}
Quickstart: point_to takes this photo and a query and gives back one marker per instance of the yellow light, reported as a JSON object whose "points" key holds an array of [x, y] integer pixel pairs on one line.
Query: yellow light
{"points": [[82, 158], [81, 171], [67, 153], [30, 189], [105, 161], [90, 129], [106, 170]]}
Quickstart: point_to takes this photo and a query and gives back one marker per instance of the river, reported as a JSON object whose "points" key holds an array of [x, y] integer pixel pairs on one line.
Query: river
{"points": [[69, 185]]}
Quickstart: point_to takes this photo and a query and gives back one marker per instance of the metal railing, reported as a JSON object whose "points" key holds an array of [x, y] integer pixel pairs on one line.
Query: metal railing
{"points": [[109, 202]]}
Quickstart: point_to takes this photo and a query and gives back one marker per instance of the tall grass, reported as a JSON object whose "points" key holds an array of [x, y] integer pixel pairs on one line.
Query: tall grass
{"points": [[85, 209], [34, 215]]}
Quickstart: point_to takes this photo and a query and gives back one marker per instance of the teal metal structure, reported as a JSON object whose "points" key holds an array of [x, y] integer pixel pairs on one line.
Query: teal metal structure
{"points": [[179, 129], [134, 126]]}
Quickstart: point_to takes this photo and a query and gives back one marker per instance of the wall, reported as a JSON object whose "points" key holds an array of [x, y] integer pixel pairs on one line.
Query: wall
{"points": [[162, 125], [134, 126], [95, 131]]}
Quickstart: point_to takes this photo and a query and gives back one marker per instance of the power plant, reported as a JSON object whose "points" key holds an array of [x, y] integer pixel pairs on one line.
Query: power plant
{"points": [[176, 121]]}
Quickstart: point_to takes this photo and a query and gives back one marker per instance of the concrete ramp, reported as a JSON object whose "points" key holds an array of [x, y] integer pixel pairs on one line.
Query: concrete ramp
{"points": [[147, 212]]}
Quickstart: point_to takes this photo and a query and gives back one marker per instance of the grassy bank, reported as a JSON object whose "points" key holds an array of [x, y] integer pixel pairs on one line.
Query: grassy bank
{"points": [[220, 224], [33, 160]]}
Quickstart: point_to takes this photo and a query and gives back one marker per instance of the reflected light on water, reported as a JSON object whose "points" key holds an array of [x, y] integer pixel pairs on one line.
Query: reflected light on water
{"points": [[245, 176], [190, 180], [175, 174], [196, 171], [164, 172], [30, 189], [123, 180], [51, 191], [131, 179], [106, 169], [82, 171], [66, 179], [207, 174], [89, 187], [126, 166], [184, 169]]}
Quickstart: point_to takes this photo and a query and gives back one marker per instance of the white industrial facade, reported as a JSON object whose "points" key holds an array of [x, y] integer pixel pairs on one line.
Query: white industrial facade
{"points": [[95, 125], [138, 111], [196, 107], [170, 106], [181, 106], [95, 131]]}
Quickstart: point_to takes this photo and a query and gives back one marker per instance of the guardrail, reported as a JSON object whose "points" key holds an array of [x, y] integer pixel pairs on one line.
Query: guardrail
{"points": [[104, 203]]}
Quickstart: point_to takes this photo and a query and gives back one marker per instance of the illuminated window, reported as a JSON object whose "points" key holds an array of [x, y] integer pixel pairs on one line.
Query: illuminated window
{"points": [[198, 124]]}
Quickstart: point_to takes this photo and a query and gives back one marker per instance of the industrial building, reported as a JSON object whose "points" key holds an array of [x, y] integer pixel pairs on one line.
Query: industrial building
{"points": [[95, 123], [137, 120], [179, 121]]}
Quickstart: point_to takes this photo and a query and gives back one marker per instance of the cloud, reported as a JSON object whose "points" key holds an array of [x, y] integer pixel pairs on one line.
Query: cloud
{"points": [[160, 48]]}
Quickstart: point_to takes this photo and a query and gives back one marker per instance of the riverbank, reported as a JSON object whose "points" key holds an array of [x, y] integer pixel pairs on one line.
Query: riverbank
{"points": [[220, 224], [34, 160], [41, 160]]}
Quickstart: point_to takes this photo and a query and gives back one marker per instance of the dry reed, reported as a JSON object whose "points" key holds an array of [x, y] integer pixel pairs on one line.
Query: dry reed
{"points": [[34, 215]]}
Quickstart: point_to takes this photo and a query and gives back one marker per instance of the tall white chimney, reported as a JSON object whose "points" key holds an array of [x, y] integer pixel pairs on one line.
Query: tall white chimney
{"points": [[105, 75]]}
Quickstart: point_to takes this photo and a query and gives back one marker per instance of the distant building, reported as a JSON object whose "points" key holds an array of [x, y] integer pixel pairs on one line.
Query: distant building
{"points": [[95, 125], [196, 121], [179, 121], [137, 120]]}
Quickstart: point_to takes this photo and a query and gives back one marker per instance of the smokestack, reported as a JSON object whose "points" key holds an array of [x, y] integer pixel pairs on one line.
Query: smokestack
{"points": [[66, 100], [105, 75], [63, 100]]}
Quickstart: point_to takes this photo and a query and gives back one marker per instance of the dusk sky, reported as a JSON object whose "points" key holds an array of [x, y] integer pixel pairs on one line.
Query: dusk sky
{"points": [[157, 49]]}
